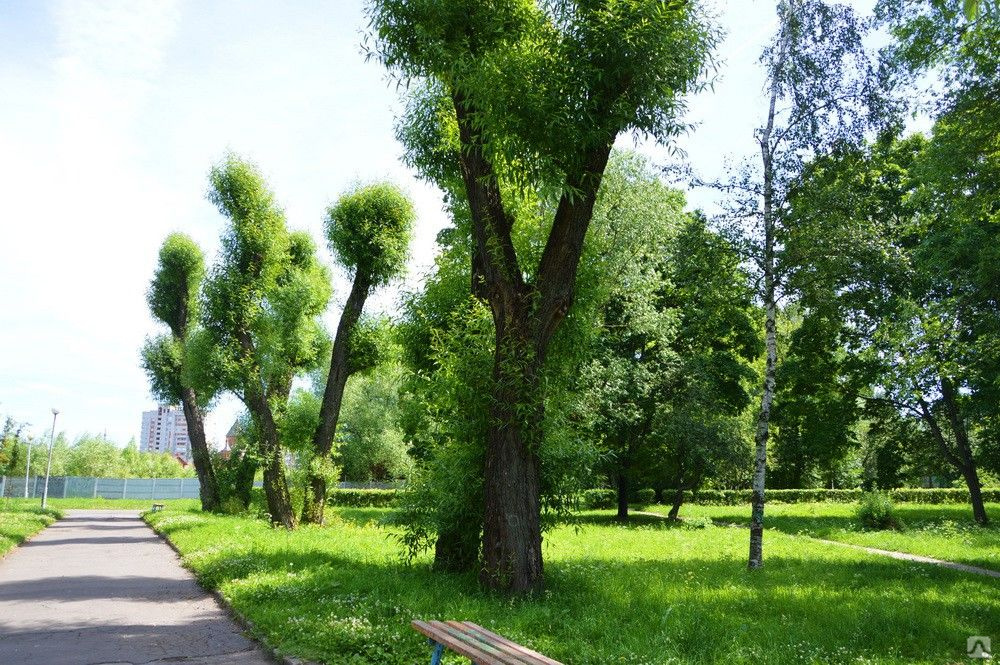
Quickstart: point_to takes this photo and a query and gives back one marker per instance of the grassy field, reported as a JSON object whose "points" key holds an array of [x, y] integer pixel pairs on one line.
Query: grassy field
{"points": [[18, 522], [648, 593], [106, 504], [940, 531]]}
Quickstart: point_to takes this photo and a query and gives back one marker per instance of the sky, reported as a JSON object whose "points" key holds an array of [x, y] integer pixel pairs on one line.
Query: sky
{"points": [[112, 113]]}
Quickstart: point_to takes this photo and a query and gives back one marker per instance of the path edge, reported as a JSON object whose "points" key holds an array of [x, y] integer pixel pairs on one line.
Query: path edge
{"points": [[32, 536], [227, 607]]}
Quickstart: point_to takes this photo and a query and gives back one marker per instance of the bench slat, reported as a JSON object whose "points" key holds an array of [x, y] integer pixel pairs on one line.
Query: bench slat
{"points": [[534, 657], [458, 645], [511, 656], [483, 646]]}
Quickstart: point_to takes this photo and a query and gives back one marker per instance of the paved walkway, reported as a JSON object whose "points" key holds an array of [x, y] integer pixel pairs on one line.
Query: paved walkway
{"points": [[99, 587]]}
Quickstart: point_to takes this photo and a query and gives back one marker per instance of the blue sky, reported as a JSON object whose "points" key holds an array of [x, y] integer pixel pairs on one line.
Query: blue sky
{"points": [[112, 114]]}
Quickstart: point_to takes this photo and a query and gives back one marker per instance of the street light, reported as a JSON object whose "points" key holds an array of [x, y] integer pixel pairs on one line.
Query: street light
{"points": [[48, 466]]}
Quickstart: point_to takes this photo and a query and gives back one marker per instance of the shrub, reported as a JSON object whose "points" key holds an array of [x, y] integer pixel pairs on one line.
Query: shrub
{"points": [[646, 496], [876, 511], [599, 498]]}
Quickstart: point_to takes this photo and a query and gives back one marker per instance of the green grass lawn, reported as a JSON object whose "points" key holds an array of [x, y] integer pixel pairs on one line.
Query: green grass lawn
{"points": [[17, 523], [940, 531], [107, 504], [649, 593]]}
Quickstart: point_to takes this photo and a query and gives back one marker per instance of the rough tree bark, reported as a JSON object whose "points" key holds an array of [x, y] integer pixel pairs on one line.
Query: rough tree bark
{"points": [[208, 484], [279, 502], [525, 317], [333, 395]]}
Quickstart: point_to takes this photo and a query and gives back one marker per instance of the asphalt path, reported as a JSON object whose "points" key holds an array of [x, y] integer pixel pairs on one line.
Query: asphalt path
{"points": [[100, 587]]}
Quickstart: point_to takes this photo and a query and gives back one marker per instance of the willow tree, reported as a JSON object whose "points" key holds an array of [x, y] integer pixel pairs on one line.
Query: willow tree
{"points": [[173, 300], [369, 231], [260, 310], [539, 92]]}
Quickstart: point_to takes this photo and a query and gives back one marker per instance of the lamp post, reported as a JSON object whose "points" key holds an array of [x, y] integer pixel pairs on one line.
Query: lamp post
{"points": [[27, 469], [48, 466]]}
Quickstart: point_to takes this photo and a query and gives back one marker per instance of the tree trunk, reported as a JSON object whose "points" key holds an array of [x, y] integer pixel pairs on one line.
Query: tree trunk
{"points": [[209, 486], [622, 497], [512, 536], [675, 509], [454, 550], [314, 502], [279, 502], [525, 319], [967, 462], [243, 480], [768, 268]]}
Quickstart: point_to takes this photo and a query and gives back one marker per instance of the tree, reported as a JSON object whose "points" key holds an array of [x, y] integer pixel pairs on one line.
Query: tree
{"points": [[919, 329], [369, 230], [260, 311], [817, 404], [822, 92], [173, 300], [539, 93], [701, 430], [371, 446]]}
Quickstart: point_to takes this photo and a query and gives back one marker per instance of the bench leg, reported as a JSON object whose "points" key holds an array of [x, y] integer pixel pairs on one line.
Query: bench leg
{"points": [[436, 655]]}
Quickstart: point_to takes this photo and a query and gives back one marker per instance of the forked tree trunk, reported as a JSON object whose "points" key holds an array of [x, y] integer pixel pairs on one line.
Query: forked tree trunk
{"points": [[622, 497], [525, 317], [314, 503], [207, 482]]}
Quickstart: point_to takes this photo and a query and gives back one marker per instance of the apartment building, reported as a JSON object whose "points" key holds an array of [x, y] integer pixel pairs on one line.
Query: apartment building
{"points": [[164, 430]]}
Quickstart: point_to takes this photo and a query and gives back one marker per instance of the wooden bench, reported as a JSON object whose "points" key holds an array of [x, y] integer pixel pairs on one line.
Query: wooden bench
{"points": [[157, 507], [476, 643]]}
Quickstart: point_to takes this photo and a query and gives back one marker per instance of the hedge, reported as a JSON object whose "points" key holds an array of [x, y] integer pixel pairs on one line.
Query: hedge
{"points": [[366, 498], [606, 498]]}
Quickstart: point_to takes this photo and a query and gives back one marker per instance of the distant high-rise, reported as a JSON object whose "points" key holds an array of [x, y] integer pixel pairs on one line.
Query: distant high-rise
{"points": [[164, 430]]}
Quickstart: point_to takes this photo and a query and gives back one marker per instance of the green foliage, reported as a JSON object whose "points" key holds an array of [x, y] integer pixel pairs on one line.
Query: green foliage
{"points": [[371, 445], [18, 523], [373, 498], [529, 67], [262, 300], [173, 293], [373, 344], [645, 496], [95, 456], [163, 362], [816, 408], [876, 511], [369, 230], [598, 498]]}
